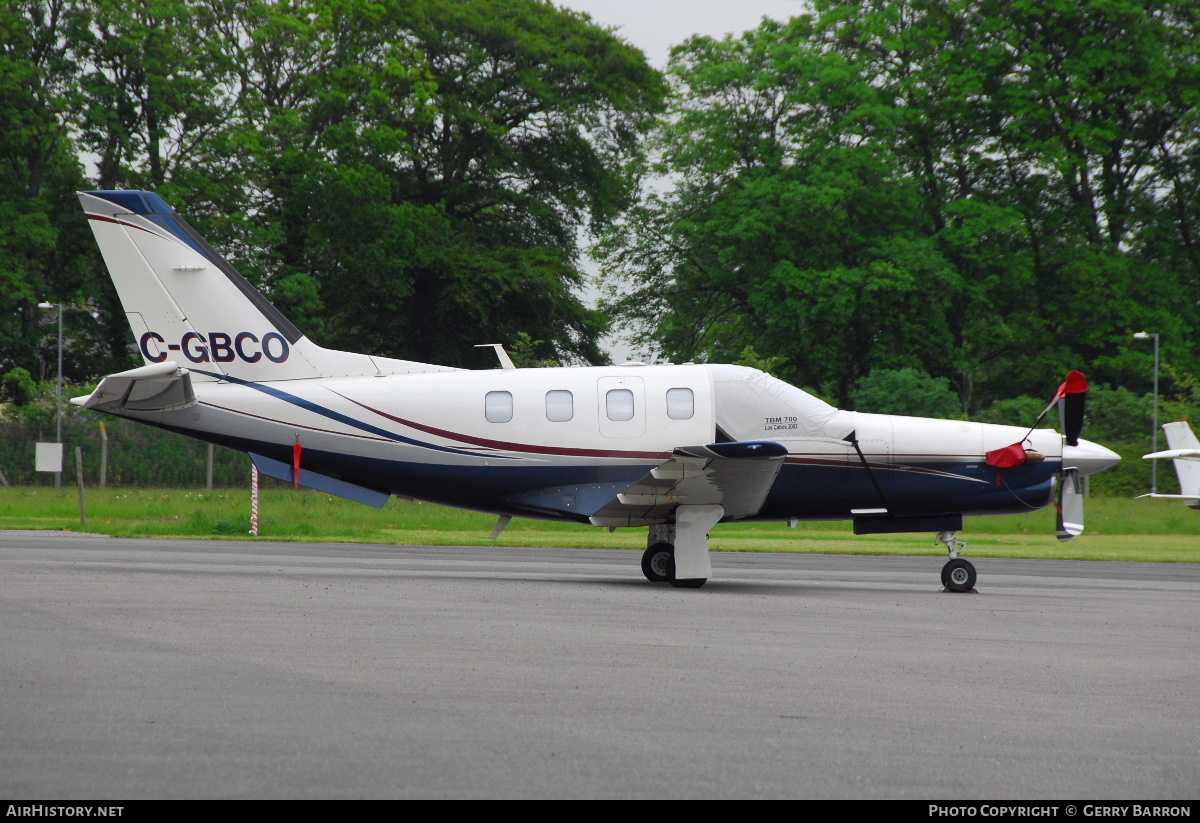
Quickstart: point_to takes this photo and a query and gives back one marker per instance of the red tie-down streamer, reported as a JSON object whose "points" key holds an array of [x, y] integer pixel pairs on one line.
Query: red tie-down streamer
{"points": [[296, 449]]}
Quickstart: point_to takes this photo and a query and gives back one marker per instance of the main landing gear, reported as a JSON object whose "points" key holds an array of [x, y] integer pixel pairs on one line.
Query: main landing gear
{"points": [[658, 564], [958, 575], [658, 561]]}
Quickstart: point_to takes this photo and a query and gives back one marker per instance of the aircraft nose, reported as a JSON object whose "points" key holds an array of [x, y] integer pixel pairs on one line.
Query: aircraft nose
{"points": [[1089, 457]]}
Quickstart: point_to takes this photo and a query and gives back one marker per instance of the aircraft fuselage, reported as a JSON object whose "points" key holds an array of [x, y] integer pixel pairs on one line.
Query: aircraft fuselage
{"points": [[429, 437]]}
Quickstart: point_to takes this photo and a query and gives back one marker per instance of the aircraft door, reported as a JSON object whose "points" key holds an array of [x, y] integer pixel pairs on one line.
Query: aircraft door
{"points": [[622, 406]]}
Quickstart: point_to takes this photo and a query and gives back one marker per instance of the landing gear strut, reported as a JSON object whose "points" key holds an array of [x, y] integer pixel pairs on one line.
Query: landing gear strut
{"points": [[958, 575]]}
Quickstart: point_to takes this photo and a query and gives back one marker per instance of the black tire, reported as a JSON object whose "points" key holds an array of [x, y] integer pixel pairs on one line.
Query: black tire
{"points": [[692, 583], [958, 575], [658, 562]]}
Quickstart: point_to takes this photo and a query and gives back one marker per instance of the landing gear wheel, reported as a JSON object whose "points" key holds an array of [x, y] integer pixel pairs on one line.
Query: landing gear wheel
{"points": [[958, 575], [658, 562]]}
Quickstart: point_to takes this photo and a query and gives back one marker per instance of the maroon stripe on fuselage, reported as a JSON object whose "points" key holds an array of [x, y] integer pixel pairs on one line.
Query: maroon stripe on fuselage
{"points": [[508, 446]]}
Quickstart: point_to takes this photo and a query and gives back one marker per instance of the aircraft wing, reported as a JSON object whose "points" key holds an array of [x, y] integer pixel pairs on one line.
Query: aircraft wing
{"points": [[157, 387], [735, 476]]}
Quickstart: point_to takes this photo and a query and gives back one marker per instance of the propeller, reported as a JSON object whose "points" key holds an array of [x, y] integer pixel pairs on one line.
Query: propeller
{"points": [[1079, 457], [1071, 398], [1069, 522]]}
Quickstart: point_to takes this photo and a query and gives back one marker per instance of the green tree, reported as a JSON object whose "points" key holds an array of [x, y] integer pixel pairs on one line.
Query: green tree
{"points": [[522, 120], [17, 387], [403, 176], [419, 172], [46, 253], [905, 391], [987, 191]]}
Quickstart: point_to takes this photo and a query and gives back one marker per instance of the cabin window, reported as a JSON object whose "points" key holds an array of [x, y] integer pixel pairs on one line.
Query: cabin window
{"points": [[681, 404], [498, 406], [620, 404], [560, 406]]}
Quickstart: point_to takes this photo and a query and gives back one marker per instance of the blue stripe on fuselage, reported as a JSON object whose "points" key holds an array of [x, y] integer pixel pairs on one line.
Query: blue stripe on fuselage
{"points": [[308, 405]]}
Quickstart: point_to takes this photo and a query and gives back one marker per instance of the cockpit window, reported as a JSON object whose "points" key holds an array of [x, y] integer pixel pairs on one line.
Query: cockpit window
{"points": [[753, 405]]}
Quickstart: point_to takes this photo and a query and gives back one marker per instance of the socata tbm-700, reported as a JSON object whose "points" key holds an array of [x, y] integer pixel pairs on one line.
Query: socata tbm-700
{"points": [[677, 448]]}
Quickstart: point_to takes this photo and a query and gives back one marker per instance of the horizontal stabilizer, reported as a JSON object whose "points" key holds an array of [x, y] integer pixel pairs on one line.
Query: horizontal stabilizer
{"points": [[1184, 452], [156, 387], [320, 482], [1173, 454]]}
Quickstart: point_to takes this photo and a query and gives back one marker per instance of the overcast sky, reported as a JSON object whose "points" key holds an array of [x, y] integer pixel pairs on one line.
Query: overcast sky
{"points": [[656, 25]]}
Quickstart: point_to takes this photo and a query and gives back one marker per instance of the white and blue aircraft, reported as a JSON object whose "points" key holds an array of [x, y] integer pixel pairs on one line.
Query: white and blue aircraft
{"points": [[676, 448], [1184, 454]]}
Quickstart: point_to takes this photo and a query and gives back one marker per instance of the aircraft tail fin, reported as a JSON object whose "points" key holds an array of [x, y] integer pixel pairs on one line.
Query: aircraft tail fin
{"points": [[187, 303], [1181, 436], [1184, 453]]}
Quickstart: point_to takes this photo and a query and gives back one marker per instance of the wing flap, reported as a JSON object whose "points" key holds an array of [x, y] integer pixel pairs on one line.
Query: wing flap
{"points": [[156, 387], [735, 476]]}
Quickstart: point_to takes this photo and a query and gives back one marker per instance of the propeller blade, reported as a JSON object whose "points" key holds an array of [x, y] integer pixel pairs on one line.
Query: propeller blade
{"points": [[1071, 397], [1070, 505]]}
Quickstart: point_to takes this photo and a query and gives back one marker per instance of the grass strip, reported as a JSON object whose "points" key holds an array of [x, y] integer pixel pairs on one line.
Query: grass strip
{"points": [[1117, 528]]}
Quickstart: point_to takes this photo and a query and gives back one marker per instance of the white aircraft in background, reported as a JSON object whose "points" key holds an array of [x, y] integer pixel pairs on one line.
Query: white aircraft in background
{"points": [[676, 448], [1185, 454]]}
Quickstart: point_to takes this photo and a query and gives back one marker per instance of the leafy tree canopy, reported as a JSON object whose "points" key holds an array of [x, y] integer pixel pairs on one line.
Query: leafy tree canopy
{"points": [[408, 177], [991, 193]]}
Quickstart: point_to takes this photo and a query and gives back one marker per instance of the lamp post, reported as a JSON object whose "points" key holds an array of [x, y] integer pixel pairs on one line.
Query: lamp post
{"points": [[58, 474], [1153, 463]]}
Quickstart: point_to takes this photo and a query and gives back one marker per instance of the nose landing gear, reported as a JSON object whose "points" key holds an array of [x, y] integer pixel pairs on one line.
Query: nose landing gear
{"points": [[958, 575]]}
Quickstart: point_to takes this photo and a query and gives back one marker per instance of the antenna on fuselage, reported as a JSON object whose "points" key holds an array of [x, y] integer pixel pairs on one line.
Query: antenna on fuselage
{"points": [[505, 361]]}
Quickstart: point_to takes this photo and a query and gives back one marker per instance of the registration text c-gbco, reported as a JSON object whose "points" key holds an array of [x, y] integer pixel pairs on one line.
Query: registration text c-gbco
{"points": [[219, 347]]}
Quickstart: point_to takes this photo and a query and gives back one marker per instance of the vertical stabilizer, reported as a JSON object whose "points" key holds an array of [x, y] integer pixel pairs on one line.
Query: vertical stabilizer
{"points": [[1180, 437], [186, 303], [1184, 454]]}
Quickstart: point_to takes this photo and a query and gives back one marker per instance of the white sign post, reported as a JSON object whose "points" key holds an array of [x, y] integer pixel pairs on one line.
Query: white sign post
{"points": [[48, 457]]}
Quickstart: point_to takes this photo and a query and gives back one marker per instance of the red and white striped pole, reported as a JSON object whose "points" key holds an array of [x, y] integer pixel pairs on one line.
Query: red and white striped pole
{"points": [[254, 499]]}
